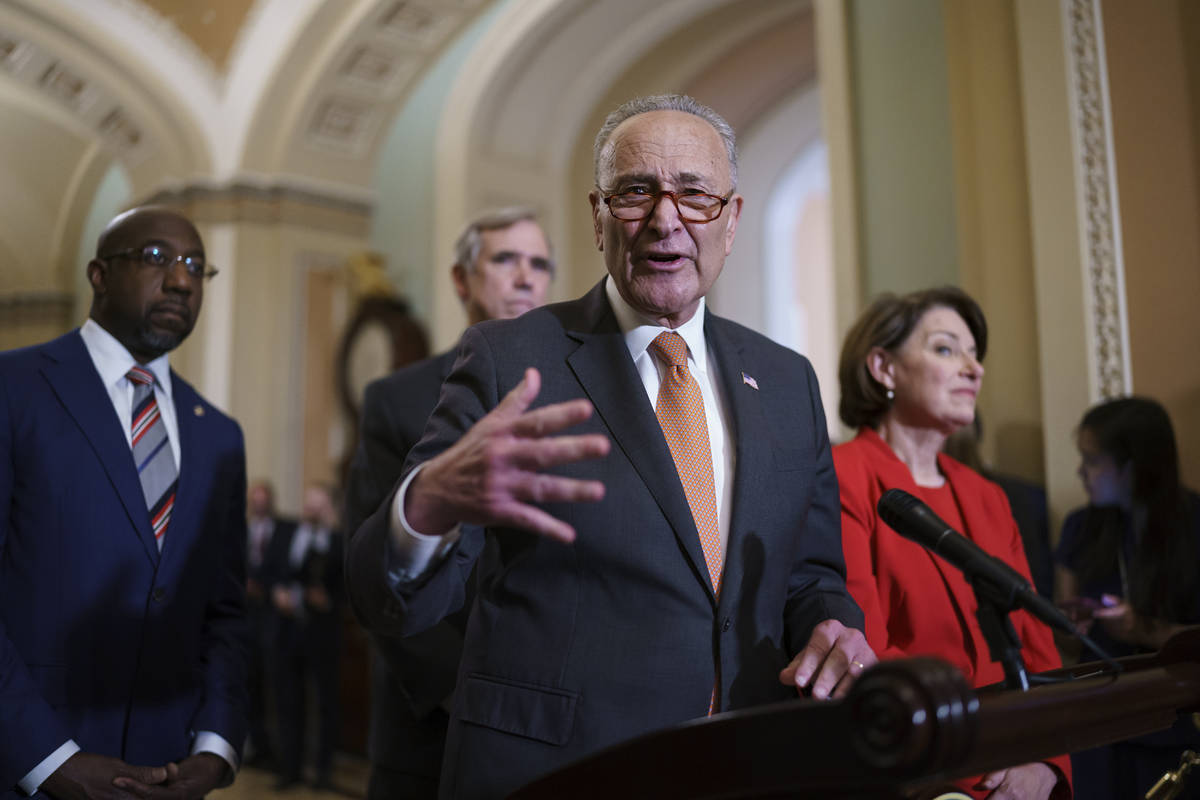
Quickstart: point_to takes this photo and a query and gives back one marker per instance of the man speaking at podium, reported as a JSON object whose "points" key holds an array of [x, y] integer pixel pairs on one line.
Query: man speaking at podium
{"points": [[655, 482]]}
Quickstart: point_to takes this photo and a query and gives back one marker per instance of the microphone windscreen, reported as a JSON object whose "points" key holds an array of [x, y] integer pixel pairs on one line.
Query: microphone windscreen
{"points": [[894, 505]]}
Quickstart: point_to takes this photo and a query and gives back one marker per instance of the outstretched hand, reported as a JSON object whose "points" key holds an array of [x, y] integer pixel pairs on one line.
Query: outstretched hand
{"points": [[494, 474]]}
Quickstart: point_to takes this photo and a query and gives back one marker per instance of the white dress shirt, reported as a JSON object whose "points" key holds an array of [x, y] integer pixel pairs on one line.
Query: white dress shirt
{"points": [[413, 552], [113, 361]]}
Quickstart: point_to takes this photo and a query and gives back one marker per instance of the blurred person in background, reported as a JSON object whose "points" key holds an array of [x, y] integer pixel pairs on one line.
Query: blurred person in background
{"points": [[265, 532], [308, 601], [1128, 572], [503, 266]]}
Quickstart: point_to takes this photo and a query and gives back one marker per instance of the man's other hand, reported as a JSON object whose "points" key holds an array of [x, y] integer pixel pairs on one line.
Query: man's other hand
{"points": [[494, 474], [87, 776], [831, 661], [190, 779]]}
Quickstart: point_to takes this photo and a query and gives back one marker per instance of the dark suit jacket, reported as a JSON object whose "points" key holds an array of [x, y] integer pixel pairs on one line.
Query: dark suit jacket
{"points": [[411, 676], [570, 648], [103, 639], [1028, 503]]}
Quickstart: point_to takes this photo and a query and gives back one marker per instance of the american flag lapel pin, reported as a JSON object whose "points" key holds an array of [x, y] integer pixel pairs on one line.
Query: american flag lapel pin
{"points": [[749, 381]]}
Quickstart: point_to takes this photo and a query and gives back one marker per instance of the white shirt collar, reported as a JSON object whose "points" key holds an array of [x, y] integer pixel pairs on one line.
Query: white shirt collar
{"points": [[113, 361], [639, 331]]}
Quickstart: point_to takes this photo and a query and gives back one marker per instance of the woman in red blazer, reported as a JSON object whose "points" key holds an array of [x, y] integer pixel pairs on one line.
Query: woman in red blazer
{"points": [[910, 371]]}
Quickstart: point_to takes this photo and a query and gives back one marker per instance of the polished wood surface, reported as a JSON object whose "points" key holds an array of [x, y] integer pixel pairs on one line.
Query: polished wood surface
{"points": [[908, 727]]}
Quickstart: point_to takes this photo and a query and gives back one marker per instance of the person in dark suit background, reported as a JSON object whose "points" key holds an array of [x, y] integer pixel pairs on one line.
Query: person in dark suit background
{"points": [[307, 599], [266, 531], [502, 268], [122, 541], [602, 613]]}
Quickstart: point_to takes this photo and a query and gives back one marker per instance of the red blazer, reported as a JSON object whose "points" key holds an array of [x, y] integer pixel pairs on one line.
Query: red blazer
{"points": [[915, 603]]}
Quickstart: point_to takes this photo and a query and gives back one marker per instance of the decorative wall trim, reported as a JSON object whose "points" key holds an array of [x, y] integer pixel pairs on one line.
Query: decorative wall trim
{"points": [[36, 306], [1103, 260], [274, 204], [376, 65]]}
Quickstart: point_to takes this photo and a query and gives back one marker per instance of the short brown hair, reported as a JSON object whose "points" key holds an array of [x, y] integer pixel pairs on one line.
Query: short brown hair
{"points": [[887, 323]]}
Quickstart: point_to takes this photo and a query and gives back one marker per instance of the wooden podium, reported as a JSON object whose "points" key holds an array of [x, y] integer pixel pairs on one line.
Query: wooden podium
{"points": [[906, 728]]}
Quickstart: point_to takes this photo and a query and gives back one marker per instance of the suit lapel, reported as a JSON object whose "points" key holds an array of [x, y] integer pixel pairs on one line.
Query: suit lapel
{"points": [[604, 369], [75, 382], [750, 436]]}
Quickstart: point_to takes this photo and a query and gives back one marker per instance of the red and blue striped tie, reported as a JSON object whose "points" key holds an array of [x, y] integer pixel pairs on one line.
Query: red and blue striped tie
{"points": [[152, 453]]}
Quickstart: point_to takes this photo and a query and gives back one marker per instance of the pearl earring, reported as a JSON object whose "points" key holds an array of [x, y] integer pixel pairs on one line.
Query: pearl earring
{"points": [[891, 395]]}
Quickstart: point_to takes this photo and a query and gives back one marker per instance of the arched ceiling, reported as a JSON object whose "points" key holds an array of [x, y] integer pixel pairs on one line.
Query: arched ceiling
{"points": [[517, 125], [212, 27], [181, 92]]}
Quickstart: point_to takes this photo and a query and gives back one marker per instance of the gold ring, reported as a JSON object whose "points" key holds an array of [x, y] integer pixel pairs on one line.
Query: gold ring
{"points": [[858, 664]]}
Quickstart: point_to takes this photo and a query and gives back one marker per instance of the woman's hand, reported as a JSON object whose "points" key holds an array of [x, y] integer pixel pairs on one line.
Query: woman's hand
{"points": [[1120, 620], [1027, 782], [1081, 611]]}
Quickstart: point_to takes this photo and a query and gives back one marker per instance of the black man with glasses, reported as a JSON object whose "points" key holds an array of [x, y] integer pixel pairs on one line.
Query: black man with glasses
{"points": [[122, 540], [655, 485]]}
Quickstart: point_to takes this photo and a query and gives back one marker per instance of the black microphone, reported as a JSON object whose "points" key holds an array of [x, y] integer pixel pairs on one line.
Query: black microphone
{"points": [[914, 520]]}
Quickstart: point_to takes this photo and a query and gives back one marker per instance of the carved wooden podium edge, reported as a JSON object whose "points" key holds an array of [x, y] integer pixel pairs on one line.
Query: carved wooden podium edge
{"points": [[906, 726]]}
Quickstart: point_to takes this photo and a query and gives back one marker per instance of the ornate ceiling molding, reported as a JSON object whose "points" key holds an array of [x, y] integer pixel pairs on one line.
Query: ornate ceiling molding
{"points": [[373, 70], [71, 87], [1104, 270], [275, 204]]}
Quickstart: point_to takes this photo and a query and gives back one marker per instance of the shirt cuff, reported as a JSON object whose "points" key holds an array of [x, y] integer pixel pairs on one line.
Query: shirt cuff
{"points": [[30, 783], [211, 742], [411, 553]]}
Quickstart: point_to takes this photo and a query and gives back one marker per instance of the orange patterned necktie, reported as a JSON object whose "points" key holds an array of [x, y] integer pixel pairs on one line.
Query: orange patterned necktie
{"points": [[680, 412]]}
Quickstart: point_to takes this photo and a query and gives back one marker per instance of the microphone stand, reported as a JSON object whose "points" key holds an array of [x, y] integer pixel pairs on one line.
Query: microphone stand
{"points": [[1004, 646]]}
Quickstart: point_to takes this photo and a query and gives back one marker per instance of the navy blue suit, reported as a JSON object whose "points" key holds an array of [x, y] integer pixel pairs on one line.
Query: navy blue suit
{"points": [[103, 639]]}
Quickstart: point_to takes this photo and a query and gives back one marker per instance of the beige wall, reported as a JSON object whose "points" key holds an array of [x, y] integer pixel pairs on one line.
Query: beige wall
{"points": [[1154, 65], [265, 351], [994, 240], [1059, 301], [906, 212]]}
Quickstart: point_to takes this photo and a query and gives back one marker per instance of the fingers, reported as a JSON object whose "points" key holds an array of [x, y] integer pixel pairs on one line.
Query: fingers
{"points": [[518, 399], [992, 780], [550, 419], [541, 454], [144, 775], [131, 788], [856, 668], [1111, 607], [140, 781], [535, 520], [831, 661]]}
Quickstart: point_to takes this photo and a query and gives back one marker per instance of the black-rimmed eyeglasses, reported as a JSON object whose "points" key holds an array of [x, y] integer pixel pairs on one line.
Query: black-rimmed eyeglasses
{"points": [[692, 206], [159, 257]]}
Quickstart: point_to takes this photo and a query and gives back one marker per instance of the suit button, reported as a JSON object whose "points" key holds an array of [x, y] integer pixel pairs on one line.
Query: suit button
{"points": [[726, 625], [158, 595]]}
